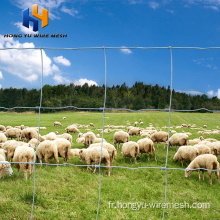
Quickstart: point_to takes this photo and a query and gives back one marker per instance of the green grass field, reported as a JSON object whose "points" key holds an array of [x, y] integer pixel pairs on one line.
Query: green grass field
{"points": [[68, 192]]}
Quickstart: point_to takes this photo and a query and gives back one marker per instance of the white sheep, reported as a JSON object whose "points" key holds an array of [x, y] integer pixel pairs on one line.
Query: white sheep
{"points": [[134, 131], [64, 117], [109, 147], [146, 145], [196, 140], [179, 139], [51, 136], [99, 140], [5, 167], [9, 147], [63, 148], [74, 152], [205, 161], [89, 138], [33, 142], [57, 123], [158, 137], [130, 149], [120, 137], [24, 154], [29, 133], [66, 136], [203, 148], [91, 124], [135, 123], [3, 138], [186, 153], [13, 133], [47, 150], [72, 129], [93, 155], [2, 153], [2, 128], [81, 140]]}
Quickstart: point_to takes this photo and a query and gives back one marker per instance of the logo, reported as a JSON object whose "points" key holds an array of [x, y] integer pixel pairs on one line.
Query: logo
{"points": [[27, 17]]}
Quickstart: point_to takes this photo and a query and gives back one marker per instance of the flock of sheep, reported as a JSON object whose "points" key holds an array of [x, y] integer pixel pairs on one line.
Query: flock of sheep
{"points": [[199, 152]]}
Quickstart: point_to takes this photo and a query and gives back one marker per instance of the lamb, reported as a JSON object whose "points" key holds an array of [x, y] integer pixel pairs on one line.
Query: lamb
{"points": [[57, 123], [72, 129], [146, 145], [13, 133], [205, 161], [10, 147], [63, 148], [130, 149], [110, 148], [93, 155], [186, 153], [47, 150], [120, 137], [24, 154], [203, 149], [74, 152], [179, 139], [2, 128], [5, 167], [66, 136], [89, 138], [160, 136], [3, 138], [134, 131], [196, 140]]}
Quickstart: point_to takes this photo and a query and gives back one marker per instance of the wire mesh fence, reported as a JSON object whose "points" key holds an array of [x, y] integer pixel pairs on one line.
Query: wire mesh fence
{"points": [[105, 108]]}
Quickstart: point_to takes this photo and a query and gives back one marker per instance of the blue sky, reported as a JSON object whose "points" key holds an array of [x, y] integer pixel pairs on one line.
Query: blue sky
{"points": [[125, 23]]}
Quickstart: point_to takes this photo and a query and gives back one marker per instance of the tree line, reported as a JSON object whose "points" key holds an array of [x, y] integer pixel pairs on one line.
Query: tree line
{"points": [[138, 96]]}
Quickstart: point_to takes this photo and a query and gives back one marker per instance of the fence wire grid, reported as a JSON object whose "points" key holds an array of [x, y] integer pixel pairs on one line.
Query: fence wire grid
{"points": [[103, 109]]}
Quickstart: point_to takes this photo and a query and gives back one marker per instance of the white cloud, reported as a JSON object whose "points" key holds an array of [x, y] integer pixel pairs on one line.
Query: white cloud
{"points": [[210, 4], [62, 60], [73, 12], [125, 50], [24, 29], [81, 82], [218, 94], [1, 76], [170, 11], [210, 93], [191, 92], [154, 4], [206, 62], [215, 8], [59, 79], [26, 64]]}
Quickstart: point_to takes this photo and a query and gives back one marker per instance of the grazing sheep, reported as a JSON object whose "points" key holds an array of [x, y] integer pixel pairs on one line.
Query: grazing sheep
{"points": [[136, 123], [3, 138], [13, 133], [64, 117], [66, 136], [184, 125], [203, 149], [134, 131], [146, 145], [47, 150], [193, 126], [91, 124], [205, 126], [216, 146], [33, 142], [81, 140], [72, 129], [186, 153], [160, 136], [24, 154], [196, 140], [9, 147], [5, 167], [51, 136], [63, 148], [120, 137], [74, 152], [205, 161], [2, 128], [93, 155], [128, 128], [89, 138], [57, 123], [130, 149], [109, 147], [28, 133], [211, 140], [141, 123], [179, 139], [99, 140]]}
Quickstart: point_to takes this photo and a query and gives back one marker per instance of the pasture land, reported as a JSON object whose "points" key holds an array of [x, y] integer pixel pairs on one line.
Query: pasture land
{"points": [[68, 192]]}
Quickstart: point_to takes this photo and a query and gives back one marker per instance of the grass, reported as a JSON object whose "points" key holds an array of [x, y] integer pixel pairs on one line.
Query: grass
{"points": [[68, 192]]}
